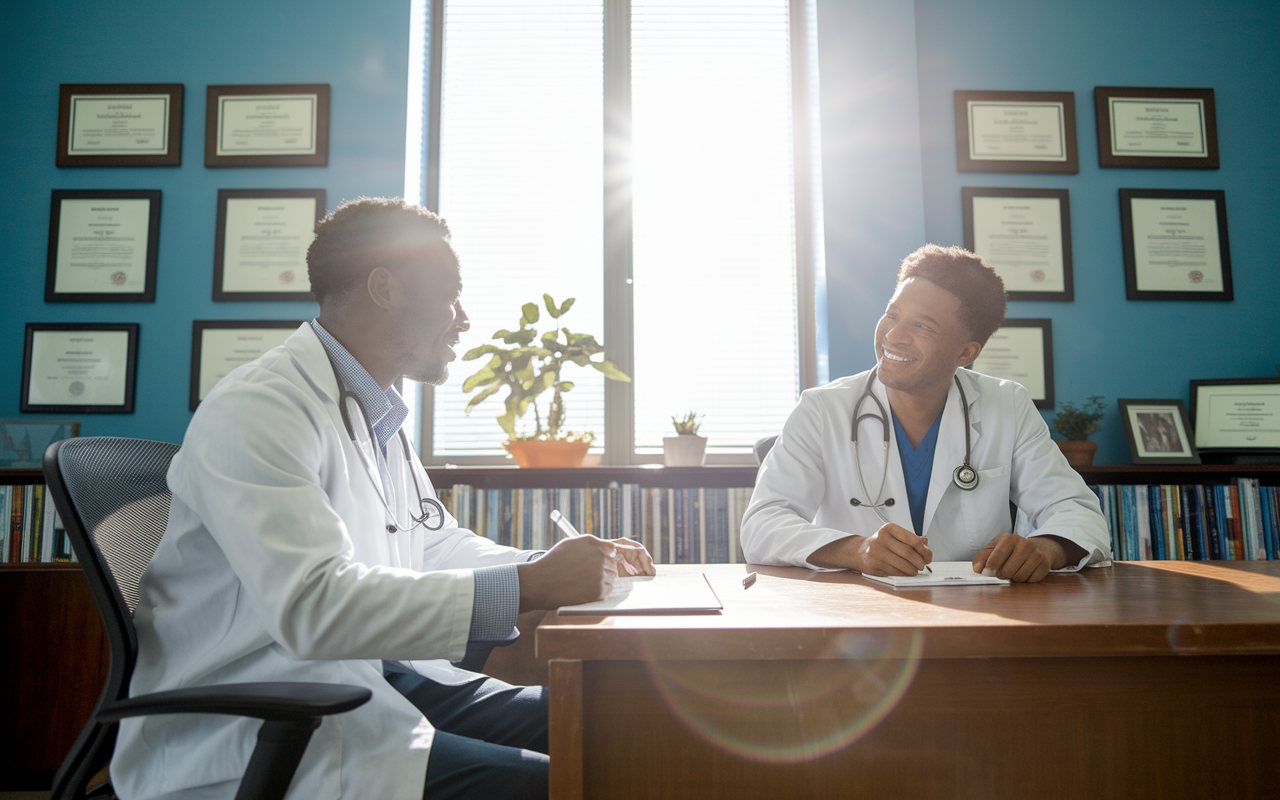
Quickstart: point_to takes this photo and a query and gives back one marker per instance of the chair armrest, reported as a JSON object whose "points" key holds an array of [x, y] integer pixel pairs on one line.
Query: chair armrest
{"points": [[267, 701], [478, 651]]}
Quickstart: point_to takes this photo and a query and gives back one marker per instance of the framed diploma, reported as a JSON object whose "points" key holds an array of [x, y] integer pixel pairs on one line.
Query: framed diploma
{"points": [[119, 125], [82, 368], [1239, 417], [1158, 432], [1175, 244], [219, 346], [1025, 235], [1016, 132], [283, 125], [1164, 128], [1021, 350], [260, 248], [103, 246]]}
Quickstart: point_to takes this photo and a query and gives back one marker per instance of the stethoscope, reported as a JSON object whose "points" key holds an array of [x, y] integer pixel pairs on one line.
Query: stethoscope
{"points": [[428, 505], [965, 476]]}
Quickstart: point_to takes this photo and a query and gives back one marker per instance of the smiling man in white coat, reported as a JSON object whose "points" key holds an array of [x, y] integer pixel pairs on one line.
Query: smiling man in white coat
{"points": [[305, 543], [918, 459]]}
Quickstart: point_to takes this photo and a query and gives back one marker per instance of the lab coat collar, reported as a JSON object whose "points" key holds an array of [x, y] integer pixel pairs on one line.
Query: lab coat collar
{"points": [[307, 351]]}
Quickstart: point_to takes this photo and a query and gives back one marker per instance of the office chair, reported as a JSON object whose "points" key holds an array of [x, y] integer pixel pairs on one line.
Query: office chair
{"points": [[113, 500], [762, 448]]}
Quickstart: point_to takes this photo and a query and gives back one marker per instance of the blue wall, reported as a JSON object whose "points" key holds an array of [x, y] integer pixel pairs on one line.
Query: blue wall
{"points": [[1103, 343], [360, 49]]}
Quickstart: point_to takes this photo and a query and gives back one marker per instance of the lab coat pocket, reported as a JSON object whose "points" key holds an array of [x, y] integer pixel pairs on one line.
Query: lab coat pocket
{"points": [[985, 510]]}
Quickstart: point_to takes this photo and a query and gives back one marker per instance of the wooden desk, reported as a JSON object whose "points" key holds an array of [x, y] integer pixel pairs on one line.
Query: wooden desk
{"points": [[1147, 679]]}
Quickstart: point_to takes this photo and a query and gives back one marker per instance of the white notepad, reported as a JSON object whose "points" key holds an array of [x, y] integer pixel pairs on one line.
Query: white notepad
{"points": [[945, 573], [653, 594]]}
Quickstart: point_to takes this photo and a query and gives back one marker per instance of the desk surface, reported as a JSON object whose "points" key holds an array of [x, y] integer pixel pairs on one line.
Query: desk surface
{"points": [[1132, 608]]}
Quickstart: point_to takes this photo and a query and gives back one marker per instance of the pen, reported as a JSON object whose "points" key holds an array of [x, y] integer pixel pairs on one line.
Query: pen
{"points": [[566, 527], [750, 579]]}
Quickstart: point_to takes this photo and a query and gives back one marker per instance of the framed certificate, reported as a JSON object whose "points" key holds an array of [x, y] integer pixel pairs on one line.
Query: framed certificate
{"points": [[1236, 417], [1021, 350], [1016, 132], [80, 368], [1025, 235], [1158, 432], [219, 346], [260, 248], [283, 125], [103, 246], [1175, 244], [1163, 128], [119, 125]]}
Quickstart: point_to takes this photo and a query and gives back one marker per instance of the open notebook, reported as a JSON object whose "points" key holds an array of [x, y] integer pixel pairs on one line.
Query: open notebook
{"points": [[945, 573], [681, 593]]}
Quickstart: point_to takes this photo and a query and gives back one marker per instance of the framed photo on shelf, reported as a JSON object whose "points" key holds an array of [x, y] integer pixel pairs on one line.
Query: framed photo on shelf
{"points": [[1237, 417], [276, 125], [119, 125], [23, 441], [1021, 350], [1156, 128], [103, 246], [1016, 132], [1025, 235], [219, 346], [79, 368], [1158, 432], [261, 240], [1175, 244]]}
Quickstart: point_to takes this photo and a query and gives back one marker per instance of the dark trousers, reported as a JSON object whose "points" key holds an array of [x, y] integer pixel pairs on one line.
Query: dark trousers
{"points": [[491, 737]]}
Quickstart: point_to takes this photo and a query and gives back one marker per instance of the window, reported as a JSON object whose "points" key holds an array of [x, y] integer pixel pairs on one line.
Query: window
{"points": [[642, 157]]}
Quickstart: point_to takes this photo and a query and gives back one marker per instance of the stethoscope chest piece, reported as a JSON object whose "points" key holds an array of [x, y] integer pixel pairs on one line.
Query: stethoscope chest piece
{"points": [[965, 477]]}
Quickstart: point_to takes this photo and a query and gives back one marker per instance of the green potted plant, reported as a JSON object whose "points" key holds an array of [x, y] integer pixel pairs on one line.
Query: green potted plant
{"points": [[530, 366], [1076, 425], [686, 448]]}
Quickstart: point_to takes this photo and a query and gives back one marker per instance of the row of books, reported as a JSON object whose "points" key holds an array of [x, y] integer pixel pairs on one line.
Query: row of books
{"points": [[1238, 521], [30, 529], [678, 526]]}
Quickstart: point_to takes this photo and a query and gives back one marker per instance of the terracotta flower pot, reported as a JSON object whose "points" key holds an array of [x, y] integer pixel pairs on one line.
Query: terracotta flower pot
{"points": [[1079, 454], [548, 454], [685, 450]]}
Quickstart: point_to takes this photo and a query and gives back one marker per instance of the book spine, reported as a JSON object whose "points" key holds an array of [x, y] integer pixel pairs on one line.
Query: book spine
{"points": [[28, 538], [702, 525], [1237, 530], [1142, 505], [1202, 538], [6, 500], [1259, 551], [1180, 520], [1156, 510], [1210, 504]]}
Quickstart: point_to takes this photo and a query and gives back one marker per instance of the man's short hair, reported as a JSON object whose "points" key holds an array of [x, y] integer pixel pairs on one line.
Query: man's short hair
{"points": [[968, 277], [370, 232]]}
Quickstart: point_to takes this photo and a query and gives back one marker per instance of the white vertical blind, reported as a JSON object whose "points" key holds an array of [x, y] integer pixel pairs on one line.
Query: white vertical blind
{"points": [[520, 184], [715, 283]]}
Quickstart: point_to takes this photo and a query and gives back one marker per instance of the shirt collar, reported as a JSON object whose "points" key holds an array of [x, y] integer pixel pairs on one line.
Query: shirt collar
{"points": [[387, 410]]}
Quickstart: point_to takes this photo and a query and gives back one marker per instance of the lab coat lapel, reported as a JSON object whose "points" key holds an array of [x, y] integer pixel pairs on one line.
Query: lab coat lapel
{"points": [[949, 451], [895, 485]]}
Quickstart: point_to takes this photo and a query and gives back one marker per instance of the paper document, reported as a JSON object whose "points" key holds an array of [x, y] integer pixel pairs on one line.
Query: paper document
{"points": [[653, 594], [945, 573]]}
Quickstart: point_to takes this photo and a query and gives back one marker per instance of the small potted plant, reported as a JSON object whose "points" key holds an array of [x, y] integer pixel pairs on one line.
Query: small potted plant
{"points": [[686, 448], [530, 367], [1076, 425]]}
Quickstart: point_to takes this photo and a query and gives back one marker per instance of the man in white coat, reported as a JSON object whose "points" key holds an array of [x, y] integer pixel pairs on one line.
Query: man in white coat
{"points": [[870, 474], [304, 544]]}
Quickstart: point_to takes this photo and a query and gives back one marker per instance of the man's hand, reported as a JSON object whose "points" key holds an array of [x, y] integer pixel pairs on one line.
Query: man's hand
{"points": [[1014, 558], [633, 558], [892, 550], [577, 570]]}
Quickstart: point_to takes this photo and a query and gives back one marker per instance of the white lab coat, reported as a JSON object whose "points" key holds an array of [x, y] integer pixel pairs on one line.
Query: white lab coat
{"points": [[277, 566], [802, 494]]}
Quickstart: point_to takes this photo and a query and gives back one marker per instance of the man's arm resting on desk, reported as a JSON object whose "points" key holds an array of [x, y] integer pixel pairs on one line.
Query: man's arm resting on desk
{"points": [[1014, 558], [892, 550]]}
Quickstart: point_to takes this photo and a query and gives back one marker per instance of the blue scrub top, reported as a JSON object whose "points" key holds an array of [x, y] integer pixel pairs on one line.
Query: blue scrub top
{"points": [[917, 467]]}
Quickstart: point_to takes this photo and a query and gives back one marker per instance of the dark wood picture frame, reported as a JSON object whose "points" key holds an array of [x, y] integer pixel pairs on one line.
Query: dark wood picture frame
{"points": [[1102, 97], [220, 236], [198, 327], [1172, 407], [148, 294], [212, 117], [1132, 292], [1046, 328], [172, 157], [964, 163], [130, 377], [1063, 196]]}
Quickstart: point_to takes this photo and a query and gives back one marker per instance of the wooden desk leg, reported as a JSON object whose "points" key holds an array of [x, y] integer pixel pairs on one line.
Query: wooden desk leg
{"points": [[565, 729]]}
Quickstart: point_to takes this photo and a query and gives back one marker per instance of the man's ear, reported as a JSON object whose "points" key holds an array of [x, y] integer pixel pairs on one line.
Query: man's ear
{"points": [[968, 354], [381, 284]]}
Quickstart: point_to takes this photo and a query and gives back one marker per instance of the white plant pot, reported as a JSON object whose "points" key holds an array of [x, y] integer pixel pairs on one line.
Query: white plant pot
{"points": [[684, 450]]}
